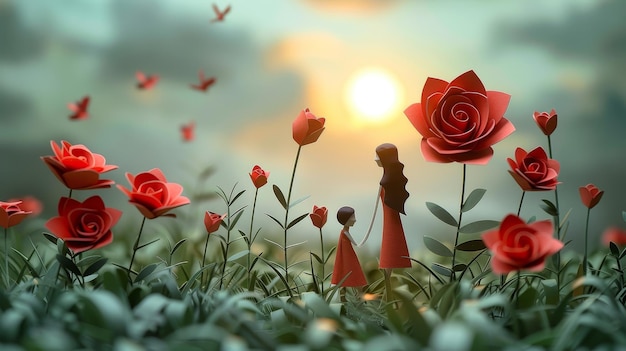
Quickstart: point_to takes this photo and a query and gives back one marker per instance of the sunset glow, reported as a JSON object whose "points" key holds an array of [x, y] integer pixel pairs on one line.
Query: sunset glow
{"points": [[373, 95]]}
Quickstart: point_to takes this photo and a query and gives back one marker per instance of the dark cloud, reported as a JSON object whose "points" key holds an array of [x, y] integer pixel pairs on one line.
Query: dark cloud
{"points": [[151, 40], [17, 43], [591, 33], [12, 107]]}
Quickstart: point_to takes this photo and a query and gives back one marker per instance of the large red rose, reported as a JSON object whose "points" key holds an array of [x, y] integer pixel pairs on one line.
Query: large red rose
{"points": [[77, 167], [153, 195], [307, 128], [460, 121], [12, 213], [519, 246], [84, 225], [534, 171]]}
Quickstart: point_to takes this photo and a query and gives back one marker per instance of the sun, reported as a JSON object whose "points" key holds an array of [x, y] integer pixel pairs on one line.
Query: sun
{"points": [[373, 95]]}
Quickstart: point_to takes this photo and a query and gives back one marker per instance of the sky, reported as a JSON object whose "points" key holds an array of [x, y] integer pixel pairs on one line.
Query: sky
{"points": [[272, 59]]}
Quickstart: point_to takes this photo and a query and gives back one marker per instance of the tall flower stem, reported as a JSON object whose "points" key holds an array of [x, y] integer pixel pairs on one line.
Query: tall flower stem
{"points": [[6, 256], [250, 238], [323, 261], [293, 175], [586, 243], [557, 224], [458, 226], [519, 209], [135, 248], [206, 245], [227, 246]]}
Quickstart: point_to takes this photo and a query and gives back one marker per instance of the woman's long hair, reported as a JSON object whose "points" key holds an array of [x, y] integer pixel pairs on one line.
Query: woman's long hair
{"points": [[393, 181]]}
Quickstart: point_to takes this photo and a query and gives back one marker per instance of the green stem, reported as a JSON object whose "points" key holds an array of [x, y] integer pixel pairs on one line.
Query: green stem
{"points": [[227, 246], [519, 209], [293, 175], [388, 290], [206, 245], [135, 246], [250, 232], [458, 226], [586, 243], [323, 261], [517, 287], [557, 224], [6, 256]]}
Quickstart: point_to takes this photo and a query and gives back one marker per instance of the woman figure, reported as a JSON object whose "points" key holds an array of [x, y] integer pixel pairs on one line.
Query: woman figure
{"points": [[346, 261], [394, 252]]}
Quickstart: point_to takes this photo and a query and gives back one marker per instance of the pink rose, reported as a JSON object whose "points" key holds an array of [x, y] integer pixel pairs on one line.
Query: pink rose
{"points": [[153, 195]]}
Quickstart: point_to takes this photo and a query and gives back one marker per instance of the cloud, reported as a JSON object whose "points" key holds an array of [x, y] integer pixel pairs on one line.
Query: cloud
{"points": [[352, 5], [18, 43]]}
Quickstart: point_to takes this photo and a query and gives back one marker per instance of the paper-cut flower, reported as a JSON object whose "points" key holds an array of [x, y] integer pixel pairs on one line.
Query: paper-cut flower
{"points": [[459, 121], [79, 108], [319, 216], [152, 194], [84, 225], [546, 121], [534, 171], [307, 128], [259, 176], [590, 195], [77, 167], [12, 213], [615, 235], [212, 221], [29, 204], [517, 246]]}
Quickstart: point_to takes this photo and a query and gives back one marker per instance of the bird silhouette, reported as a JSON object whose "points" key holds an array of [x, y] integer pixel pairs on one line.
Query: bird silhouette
{"points": [[146, 82], [79, 108], [204, 84], [219, 15]]}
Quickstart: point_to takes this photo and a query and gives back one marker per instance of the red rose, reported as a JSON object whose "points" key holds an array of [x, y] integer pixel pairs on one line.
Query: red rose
{"points": [[77, 167], [29, 204], [546, 121], [307, 128], [259, 176], [319, 216], [152, 194], [460, 121], [84, 225], [12, 213], [212, 221], [519, 246], [590, 195], [615, 235], [534, 171]]}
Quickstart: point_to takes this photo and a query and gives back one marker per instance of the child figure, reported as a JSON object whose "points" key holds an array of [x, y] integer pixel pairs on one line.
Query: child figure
{"points": [[346, 261]]}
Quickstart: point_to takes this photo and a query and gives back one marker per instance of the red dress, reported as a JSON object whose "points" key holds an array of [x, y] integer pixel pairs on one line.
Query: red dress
{"points": [[394, 246], [346, 261]]}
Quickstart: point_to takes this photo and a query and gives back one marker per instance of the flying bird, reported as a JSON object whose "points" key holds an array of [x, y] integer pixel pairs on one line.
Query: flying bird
{"points": [[205, 83], [146, 82], [187, 131], [79, 108], [220, 14]]}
